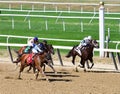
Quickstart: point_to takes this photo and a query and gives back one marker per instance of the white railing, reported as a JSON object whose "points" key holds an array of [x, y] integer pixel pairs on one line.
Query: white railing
{"points": [[55, 3], [59, 47], [52, 39], [52, 11], [46, 16]]}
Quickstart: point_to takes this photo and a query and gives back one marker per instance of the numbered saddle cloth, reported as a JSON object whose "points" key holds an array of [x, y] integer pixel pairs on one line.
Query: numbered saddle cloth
{"points": [[29, 59]]}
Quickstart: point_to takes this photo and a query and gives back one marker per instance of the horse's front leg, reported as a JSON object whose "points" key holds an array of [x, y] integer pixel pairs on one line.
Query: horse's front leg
{"points": [[91, 60], [50, 65], [21, 70], [44, 67], [30, 67], [82, 63], [41, 71]]}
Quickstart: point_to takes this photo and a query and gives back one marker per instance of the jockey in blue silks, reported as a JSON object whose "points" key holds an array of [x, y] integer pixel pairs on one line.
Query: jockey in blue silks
{"points": [[32, 45]]}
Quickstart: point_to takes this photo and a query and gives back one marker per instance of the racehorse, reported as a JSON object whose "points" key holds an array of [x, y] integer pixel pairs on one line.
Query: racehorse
{"points": [[48, 49], [87, 53], [37, 63]]}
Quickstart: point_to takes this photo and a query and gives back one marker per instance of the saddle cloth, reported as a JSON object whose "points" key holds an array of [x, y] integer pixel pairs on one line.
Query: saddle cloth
{"points": [[77, 49], [29, 59]]}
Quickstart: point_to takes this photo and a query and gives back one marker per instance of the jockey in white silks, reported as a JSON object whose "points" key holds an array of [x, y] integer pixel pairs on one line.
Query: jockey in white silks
{"points": [[85, 42]]}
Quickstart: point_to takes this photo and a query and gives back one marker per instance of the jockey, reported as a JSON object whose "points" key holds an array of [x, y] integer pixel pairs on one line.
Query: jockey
{"points": [[41, 46], [36, 49], [84, 43], [31, 44], [31, 48]]}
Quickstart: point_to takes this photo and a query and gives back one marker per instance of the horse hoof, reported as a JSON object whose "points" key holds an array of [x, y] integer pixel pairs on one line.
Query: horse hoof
{"points": [[20, 78], [76, 69], [73, 63], [91, 66], [81, 66], [84, 70], [47, 80]]}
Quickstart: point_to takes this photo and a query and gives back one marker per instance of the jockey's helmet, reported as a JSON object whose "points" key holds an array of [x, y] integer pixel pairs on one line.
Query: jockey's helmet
{"points": [[35, 39], [89, 37]]}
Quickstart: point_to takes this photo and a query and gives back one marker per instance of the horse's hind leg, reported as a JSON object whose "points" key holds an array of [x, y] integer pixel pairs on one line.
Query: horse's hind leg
{"points": [[30, 67], [73, 60], [44, 67], [41, 71], [21, 70], [49, 64]]}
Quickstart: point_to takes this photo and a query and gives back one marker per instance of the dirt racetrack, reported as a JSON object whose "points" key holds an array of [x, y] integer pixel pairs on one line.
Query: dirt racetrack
{"points": [[96, 81], [67, 81]]}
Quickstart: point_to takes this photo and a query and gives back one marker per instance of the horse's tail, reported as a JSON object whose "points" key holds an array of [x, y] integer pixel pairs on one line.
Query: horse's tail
{"points": [[70, 53], [18, 57]]}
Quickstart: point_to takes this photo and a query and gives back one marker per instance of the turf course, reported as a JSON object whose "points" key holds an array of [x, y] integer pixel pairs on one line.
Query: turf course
{"points": [[55, 26]]}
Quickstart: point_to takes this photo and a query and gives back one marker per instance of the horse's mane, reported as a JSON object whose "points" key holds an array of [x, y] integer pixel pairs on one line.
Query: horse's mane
{"points": [[75, 46]]}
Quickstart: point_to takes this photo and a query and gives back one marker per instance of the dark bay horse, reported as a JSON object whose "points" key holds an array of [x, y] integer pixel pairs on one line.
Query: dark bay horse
{"points": [[87, 53]]}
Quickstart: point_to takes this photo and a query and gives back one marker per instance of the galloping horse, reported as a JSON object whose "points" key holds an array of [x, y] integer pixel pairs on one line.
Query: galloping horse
{"points": [[87, 53], [48, 49], [37, 63]]}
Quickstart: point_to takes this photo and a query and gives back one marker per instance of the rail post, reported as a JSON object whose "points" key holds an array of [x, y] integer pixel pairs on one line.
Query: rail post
{"points": [[118, 57], [114, 61], [101, 28], [58, 52], [11, 57]]}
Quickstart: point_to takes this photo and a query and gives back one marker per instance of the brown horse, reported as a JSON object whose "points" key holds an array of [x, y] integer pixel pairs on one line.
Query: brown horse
{"points": [[36, 63], [87, 53], [48, 49]]}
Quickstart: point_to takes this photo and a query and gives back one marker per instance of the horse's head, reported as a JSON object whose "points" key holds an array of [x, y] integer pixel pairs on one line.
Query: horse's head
{"points": [[50, 49], [95, 43]]}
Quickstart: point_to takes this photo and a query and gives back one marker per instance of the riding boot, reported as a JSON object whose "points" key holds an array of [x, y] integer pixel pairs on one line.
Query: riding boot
{"points": [[78, 50], [81, 47], [33, 56]]}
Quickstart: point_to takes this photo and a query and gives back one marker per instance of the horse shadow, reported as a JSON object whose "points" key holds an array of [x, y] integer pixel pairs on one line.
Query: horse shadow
{"points": [[60, 76], [102, 70]]}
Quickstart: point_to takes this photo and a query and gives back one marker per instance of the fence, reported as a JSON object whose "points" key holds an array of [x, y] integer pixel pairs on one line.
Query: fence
{"points": [[61, 17], [45, 4], [111, 51], [55, 5]]}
